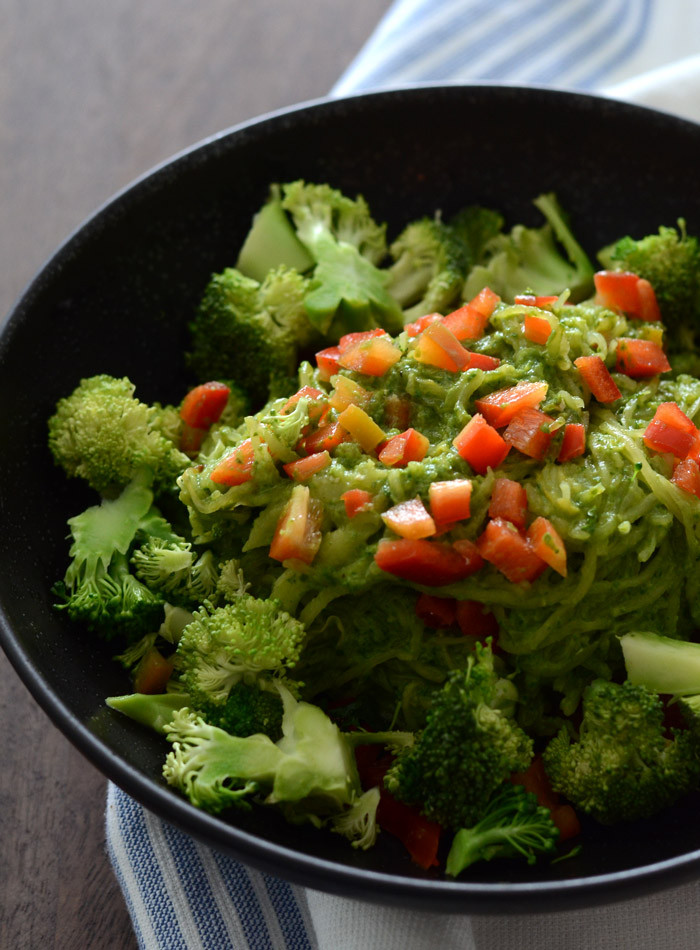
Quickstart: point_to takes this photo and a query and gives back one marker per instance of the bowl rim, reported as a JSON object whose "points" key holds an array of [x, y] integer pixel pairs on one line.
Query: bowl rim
{"points": [[441, 895]]}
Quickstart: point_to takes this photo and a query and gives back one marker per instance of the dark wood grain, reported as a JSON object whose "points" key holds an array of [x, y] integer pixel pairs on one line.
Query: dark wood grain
{"points": [[91, 96]]}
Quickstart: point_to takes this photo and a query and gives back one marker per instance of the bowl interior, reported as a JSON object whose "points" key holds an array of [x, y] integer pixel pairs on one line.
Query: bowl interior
{"points": [[117, 297]]}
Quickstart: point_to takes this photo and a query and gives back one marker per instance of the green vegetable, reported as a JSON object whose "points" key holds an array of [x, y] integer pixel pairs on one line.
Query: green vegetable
{"points": [[103, 434], [513, 825], [622, 767], [473, 711]]}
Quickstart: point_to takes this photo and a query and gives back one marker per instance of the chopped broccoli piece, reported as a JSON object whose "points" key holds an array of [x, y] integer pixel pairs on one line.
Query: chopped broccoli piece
{"points": [[104, 434], [251, 332], [476, 226], [245, 640], [247, 710], [272, 241], [173, 569], [513, 825], [670, 261], [310, 772], [623, 767], [430, 264], [469, 746], [359, 822], [531, 259], [662, 664], [152, 710], [347, 292], [98, 588]]}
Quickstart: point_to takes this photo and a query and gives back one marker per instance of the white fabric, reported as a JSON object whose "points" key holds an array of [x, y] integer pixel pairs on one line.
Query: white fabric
{"points": [[183, 895]]}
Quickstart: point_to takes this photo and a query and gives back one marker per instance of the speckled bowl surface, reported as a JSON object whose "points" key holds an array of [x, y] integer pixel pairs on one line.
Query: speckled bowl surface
{"points": [[116, 298]]}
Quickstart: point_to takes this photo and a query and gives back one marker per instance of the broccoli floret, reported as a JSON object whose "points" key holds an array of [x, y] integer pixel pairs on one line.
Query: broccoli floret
{"points": [[469, 746], [663, 665], [251, 332], [98, 588], [670, 261], [244, 641], [310, 772], [546, 260], [173, 569], [430, 264], [513, 825], [247, 710], [104, 434], [272, 241], [476, 227], [622, 767], [348, 292]]}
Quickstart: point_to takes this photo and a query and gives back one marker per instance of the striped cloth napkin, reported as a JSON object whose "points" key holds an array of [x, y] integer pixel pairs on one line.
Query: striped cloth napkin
{"points": [[183, 895]]}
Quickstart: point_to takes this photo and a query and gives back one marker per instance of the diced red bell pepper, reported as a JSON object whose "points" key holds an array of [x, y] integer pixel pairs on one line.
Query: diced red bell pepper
{"points": [[408, 446], [536, 781], [203, 405], [596, 376], [536, 329], [530, 432], [324, 439], [622, 290], [499, 407], [237, 467], [482, 361], [467, 322], [508, 502], [191, 439], [671, 431], [510, 552], [153, 672], [372, 356], [469, 552], [302, 469], [431, 563], [480, 445], [298, 533], [476, 620], [686, 475], [566, 820], [351, 339], [438, 346], [419, 836], [574, 442], [436, 612], [413, 329], [410, 519], [327, 362], [547, 543], [356, 500], [536, 300], [485, 301], [313, 395], [640, 359], [450, 501]]}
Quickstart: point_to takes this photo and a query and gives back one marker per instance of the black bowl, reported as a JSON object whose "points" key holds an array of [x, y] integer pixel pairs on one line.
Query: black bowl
{"points": [[116, 298]]}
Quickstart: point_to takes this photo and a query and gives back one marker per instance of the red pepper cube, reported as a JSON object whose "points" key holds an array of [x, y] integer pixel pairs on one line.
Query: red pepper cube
{"points": [[482, 361], [324, 439], [467, 322], [530, 432], [480, 445], [397, 411], [574, 442], [469, 552], [298, 533], [436, 612], [408, 446], [509, 502], [640, 359], [355, 501], [413, 329], [310, 393], [536, 329], [510, 552], [596, 376], [431, 563], [373, 355], [450, 501], [438, 346], [671, 431], [237, 467], [327, 362], [410, 519], [485, 301], [476, 620], [686, 475], [302, 469], [622, 290], [499, 407], [547, 543], [203, 405]]}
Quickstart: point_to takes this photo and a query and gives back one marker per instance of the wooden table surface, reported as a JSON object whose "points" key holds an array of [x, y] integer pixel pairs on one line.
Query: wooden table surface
{"points": [[92, 94]]}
